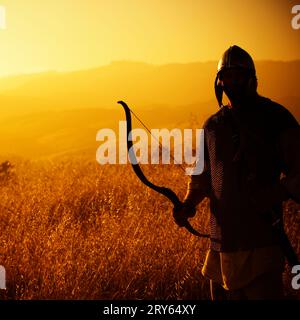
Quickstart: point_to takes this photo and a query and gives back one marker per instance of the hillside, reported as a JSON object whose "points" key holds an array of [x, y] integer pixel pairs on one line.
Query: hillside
{"points": [[52, 113]]}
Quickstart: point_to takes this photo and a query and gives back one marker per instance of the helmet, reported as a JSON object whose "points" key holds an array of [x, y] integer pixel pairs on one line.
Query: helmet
{"points": [[232, 58], [236, 57]]}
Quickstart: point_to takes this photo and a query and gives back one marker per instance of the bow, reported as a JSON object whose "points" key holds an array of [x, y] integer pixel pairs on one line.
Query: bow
{"points": [[138, 171]]}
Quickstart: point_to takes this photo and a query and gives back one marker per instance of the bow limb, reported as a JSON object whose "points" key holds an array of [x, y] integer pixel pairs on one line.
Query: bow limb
{"points": [[138, 171]]}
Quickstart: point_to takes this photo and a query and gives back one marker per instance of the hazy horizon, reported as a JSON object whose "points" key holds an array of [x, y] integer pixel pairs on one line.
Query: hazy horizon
{"points": [[56, 113], [98, 66]]}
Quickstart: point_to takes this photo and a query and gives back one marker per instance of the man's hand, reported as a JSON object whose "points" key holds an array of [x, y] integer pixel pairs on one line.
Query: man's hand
{"points": [[182, 213]]}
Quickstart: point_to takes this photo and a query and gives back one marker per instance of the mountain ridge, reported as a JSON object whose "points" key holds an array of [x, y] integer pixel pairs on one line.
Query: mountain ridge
{"points": [[54, 113]]}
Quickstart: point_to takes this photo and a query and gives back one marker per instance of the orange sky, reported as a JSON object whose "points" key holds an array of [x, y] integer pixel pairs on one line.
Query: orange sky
{"points": [[78, 34]]}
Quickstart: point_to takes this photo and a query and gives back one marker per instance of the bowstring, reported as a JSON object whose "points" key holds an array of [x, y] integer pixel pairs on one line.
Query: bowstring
{"points": [[161, 146]]}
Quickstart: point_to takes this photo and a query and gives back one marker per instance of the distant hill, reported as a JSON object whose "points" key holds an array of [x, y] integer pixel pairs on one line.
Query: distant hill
{"points": [[139, 83], [52, 113]]}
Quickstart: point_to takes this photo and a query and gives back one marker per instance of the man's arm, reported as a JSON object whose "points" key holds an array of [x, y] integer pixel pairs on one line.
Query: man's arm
{"points": [[199, 185], [198, 189], [290, 150]]}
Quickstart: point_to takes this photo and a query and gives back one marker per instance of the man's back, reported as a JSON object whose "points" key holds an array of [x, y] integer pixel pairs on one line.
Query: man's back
{"points": [[244, 155]]}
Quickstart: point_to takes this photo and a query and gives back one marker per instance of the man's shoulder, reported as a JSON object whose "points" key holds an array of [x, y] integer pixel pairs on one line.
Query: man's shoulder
{"points": [[214, 119], [269, 110], [277, 113], [271, 106]]}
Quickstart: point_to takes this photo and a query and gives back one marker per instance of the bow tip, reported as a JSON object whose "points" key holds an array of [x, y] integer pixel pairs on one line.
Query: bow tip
{"points": [[124, 105]]}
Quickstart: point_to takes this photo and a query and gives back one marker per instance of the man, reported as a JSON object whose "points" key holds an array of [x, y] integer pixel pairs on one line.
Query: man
{"points": [[249, 144]]}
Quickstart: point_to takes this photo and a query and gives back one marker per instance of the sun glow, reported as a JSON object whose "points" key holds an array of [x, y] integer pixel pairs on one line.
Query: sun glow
{"points": [[69, 35]]}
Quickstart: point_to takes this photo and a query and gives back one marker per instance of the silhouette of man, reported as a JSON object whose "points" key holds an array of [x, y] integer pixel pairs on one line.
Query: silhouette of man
{"points": [[252, 165]]}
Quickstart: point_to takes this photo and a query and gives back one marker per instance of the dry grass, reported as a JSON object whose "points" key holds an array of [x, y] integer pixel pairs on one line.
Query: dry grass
{"points": [[72, 229]]}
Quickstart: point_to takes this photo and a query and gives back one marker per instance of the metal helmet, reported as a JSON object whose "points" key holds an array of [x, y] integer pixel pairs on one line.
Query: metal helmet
{"points": [[232, 58]]}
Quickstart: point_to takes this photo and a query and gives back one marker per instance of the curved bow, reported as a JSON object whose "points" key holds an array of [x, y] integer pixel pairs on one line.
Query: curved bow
{"points": [[138, 171]]}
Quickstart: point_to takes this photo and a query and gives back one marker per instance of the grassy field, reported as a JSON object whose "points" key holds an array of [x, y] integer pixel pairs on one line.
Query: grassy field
{"points": [[72, 229]]}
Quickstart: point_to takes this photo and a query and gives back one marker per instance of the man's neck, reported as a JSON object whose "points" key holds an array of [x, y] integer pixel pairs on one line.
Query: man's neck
{"points": [[243, 103]]}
